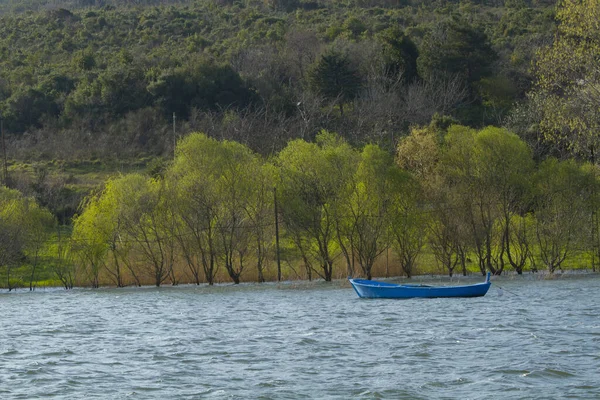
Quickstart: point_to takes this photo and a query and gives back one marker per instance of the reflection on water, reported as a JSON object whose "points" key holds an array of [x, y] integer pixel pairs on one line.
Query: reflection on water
{"points": [[540, 340]]}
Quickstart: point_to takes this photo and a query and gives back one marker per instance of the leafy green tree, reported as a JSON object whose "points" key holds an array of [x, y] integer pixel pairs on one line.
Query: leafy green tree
{"points": [[26, 108], [334, 78], [235, 186], [203, 85], [137, 211], [407, 223], [560, 210], [592, 196], [370, 206], [567, 89], [400, 54], [85, 60], [455, 48], [259, 210], [150, 225], [354, 26], [489, 170], [63, 264], [505, 165], [420, 153], [224, 197], [194, 172], [85, 102], [123, 89], [24, 228], [312, 178], [99, 233], [90, 246], [39, 223]]}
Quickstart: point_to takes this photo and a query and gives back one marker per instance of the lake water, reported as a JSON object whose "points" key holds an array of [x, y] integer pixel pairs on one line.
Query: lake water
{"points": [[538, 339]]}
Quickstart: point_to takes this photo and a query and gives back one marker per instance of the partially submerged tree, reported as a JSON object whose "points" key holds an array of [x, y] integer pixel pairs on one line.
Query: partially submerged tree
{"points": [[24, 228], [489, 171], [235, 186], [196, 203], [223, 196], [560, 210], [312, 178], [407, 222], [366, 209]]}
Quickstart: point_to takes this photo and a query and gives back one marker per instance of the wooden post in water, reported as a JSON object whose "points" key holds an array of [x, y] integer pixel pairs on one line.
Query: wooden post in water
{"points": [[277, 235]]}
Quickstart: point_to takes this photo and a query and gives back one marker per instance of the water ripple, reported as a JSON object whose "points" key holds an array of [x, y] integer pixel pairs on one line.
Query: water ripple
{"points": [[301, 341]]}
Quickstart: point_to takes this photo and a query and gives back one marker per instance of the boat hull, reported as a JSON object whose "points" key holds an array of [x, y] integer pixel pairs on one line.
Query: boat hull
{"points": [[384, 290]]}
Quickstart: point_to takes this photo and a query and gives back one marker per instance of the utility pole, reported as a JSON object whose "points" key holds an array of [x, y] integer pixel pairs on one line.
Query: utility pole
{"points": [[5, 168], [277, 235], [174, 136]]}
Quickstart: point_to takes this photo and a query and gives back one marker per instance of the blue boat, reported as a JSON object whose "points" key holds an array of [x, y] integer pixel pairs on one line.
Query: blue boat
{"points": [[384, 290]]}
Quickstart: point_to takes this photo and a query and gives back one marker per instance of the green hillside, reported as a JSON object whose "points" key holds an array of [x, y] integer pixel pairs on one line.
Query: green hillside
{"points": [[442, 93]]}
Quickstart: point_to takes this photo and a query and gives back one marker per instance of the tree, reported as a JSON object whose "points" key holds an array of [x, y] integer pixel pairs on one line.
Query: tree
{"points": [[489, 170], [194, 172], [560, 210], [311, 181], [260, 209], [134, 218], [122, 90], [99, 236], [236, 188], [505, 165], [420, 153], [407, 223], [90, 244], [400, 54], [223, 200], [24, 228], [26, 108], [148, 223], [334, 78], [371, 206], [455, 48], [202, 84], [592, 196], [519, 241], [39, 222], [12, 234], [567, 88], [63, 265], [446, 232]]}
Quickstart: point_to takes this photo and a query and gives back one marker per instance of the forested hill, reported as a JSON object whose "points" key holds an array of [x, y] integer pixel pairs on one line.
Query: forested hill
{"points": [[85, 78], [456, 129]]}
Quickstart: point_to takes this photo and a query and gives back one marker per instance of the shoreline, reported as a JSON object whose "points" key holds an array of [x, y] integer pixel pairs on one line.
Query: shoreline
{"points": [[335, 283]]}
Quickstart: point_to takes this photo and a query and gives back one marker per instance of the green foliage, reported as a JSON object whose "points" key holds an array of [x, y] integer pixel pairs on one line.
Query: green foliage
{"points": [[488, 172], [400, 54], [455, 48], [561, 211], [312, 178], [468, 194], [116, 65], [102, 81], [334, 78], [567, 90], [203, 85], [24, 228]]}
